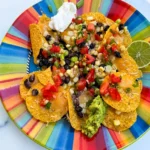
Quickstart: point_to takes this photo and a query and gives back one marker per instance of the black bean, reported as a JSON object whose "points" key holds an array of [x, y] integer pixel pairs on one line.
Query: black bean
{"points": [[117, 54], [27, 84], [80, 114], [48, 38], [35, 92], [56, 43], [99, 24], [54, 30], [99, 33], [106, 28], [50, 64], [40, 56], [67, 80], [45, 62], [78, 108], [32, 78], [92, 45], [84, 26], [121, 27], [41, 49], [67, 61], [66, 66], [41, 63], [102, 65], [76, 102]]}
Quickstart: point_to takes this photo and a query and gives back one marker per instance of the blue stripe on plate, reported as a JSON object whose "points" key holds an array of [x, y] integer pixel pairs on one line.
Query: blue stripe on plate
{"points": [[32, 66], [17, 33], [61, 137], [110, 143], [105, 6], [139, 127], [44, 8], [23, 119], [134, 21], [37, 8], [11, 50], [146, 76]]}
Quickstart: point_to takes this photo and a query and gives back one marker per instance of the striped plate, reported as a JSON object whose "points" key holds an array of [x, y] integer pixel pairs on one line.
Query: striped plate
{"points": [[15, 62]]}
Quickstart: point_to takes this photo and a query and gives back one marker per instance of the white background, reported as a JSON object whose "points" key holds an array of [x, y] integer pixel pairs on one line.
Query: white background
{"points": [[10, 137]]}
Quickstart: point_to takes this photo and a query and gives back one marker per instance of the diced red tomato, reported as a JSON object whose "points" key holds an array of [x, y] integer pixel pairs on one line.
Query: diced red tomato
{"points": [[55, 49], [62, 70], [90, 76], [57, 79], [89, 59], [45, 54], [104, 88], [80, 64], [42, 102], [115, 95], [85, 35], [114, 78], [97, 37], [77, 21], [114, 47], [91, 27], [91, 91], [104, 52], [79, 41], [47, 94], [84, 50], [81, 84], [54, 68]]}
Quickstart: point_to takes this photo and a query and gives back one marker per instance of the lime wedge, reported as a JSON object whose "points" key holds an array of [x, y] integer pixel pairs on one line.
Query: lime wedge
{"points": [[140, 52]]}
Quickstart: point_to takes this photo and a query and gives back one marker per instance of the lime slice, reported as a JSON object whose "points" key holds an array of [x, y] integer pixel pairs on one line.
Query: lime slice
{"points": [[140, 52]]}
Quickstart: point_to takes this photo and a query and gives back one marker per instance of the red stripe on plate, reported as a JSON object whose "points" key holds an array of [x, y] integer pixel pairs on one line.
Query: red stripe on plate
{"points": [[145, 94]]}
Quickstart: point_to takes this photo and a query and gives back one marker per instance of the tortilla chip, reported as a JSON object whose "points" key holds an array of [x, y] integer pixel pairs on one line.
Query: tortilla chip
{"points": [[126, 119], [127, 64], [22, 88], [75, 121], [99, 17], [124, 38], [45, 76], [129, 101], [58, 108]]}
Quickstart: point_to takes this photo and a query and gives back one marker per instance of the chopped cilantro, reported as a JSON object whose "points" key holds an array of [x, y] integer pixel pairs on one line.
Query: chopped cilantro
{"points": [[136, 84], [48, 105], [127, 90]]}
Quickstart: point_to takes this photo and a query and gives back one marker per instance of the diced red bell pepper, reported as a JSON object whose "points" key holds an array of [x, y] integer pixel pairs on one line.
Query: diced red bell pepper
{"points": [[114, 47], [45, 54], [97, 37], [115, 95], [77, 21], [104, 52], [42, 102], [62, 70], [54, 68], [91, 91], [114, 78], [84, 50], [91, 27], [81, 84], [57, 79], [47, 94], [89, 59], [55, 49], [79, 41], [104, 88], [90, 76]]}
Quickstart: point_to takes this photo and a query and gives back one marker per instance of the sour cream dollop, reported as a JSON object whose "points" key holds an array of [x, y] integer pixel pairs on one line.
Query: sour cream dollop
{"points": [[63, 18]]}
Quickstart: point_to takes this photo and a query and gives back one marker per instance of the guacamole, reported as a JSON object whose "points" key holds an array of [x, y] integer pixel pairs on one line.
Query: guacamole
{"points": [[97, 110]]}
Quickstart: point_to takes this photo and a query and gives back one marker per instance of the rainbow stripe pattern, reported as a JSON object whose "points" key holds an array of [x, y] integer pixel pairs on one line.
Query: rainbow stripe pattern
{"points": [[14, 53]]}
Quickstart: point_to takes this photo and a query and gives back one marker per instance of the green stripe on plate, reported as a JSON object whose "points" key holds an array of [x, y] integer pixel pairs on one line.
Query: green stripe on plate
{"points": [[12, 68], [142, 35], [58, 3], [17, 111], [95, 5], [45, 133]]}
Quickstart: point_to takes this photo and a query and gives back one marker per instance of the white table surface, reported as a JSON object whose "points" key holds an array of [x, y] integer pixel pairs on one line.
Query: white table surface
{"points": [[10, 137]]}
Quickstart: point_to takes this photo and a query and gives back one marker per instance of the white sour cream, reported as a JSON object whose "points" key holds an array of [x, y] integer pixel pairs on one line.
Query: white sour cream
{"points": [[63, 18]]}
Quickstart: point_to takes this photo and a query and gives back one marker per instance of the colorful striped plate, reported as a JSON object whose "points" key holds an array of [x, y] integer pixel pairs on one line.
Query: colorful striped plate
{"points": [[15, 62]]}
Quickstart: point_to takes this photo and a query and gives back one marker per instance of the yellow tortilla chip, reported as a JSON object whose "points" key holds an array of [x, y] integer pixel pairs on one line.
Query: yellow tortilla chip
{"points": [[127, 64], [58, 108], [99, 17], [122, 39], [129, 91], [75, 121], [119, 121], [45, 76], [23, 89]]}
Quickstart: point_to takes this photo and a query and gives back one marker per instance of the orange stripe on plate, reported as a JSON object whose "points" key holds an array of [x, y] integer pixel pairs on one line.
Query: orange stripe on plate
{"points": [[74, 1], [6, 85], [128, 14], [31, 123], [36, 129], [12, 101], [87, 7], [34, 13], [76, 142]]}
